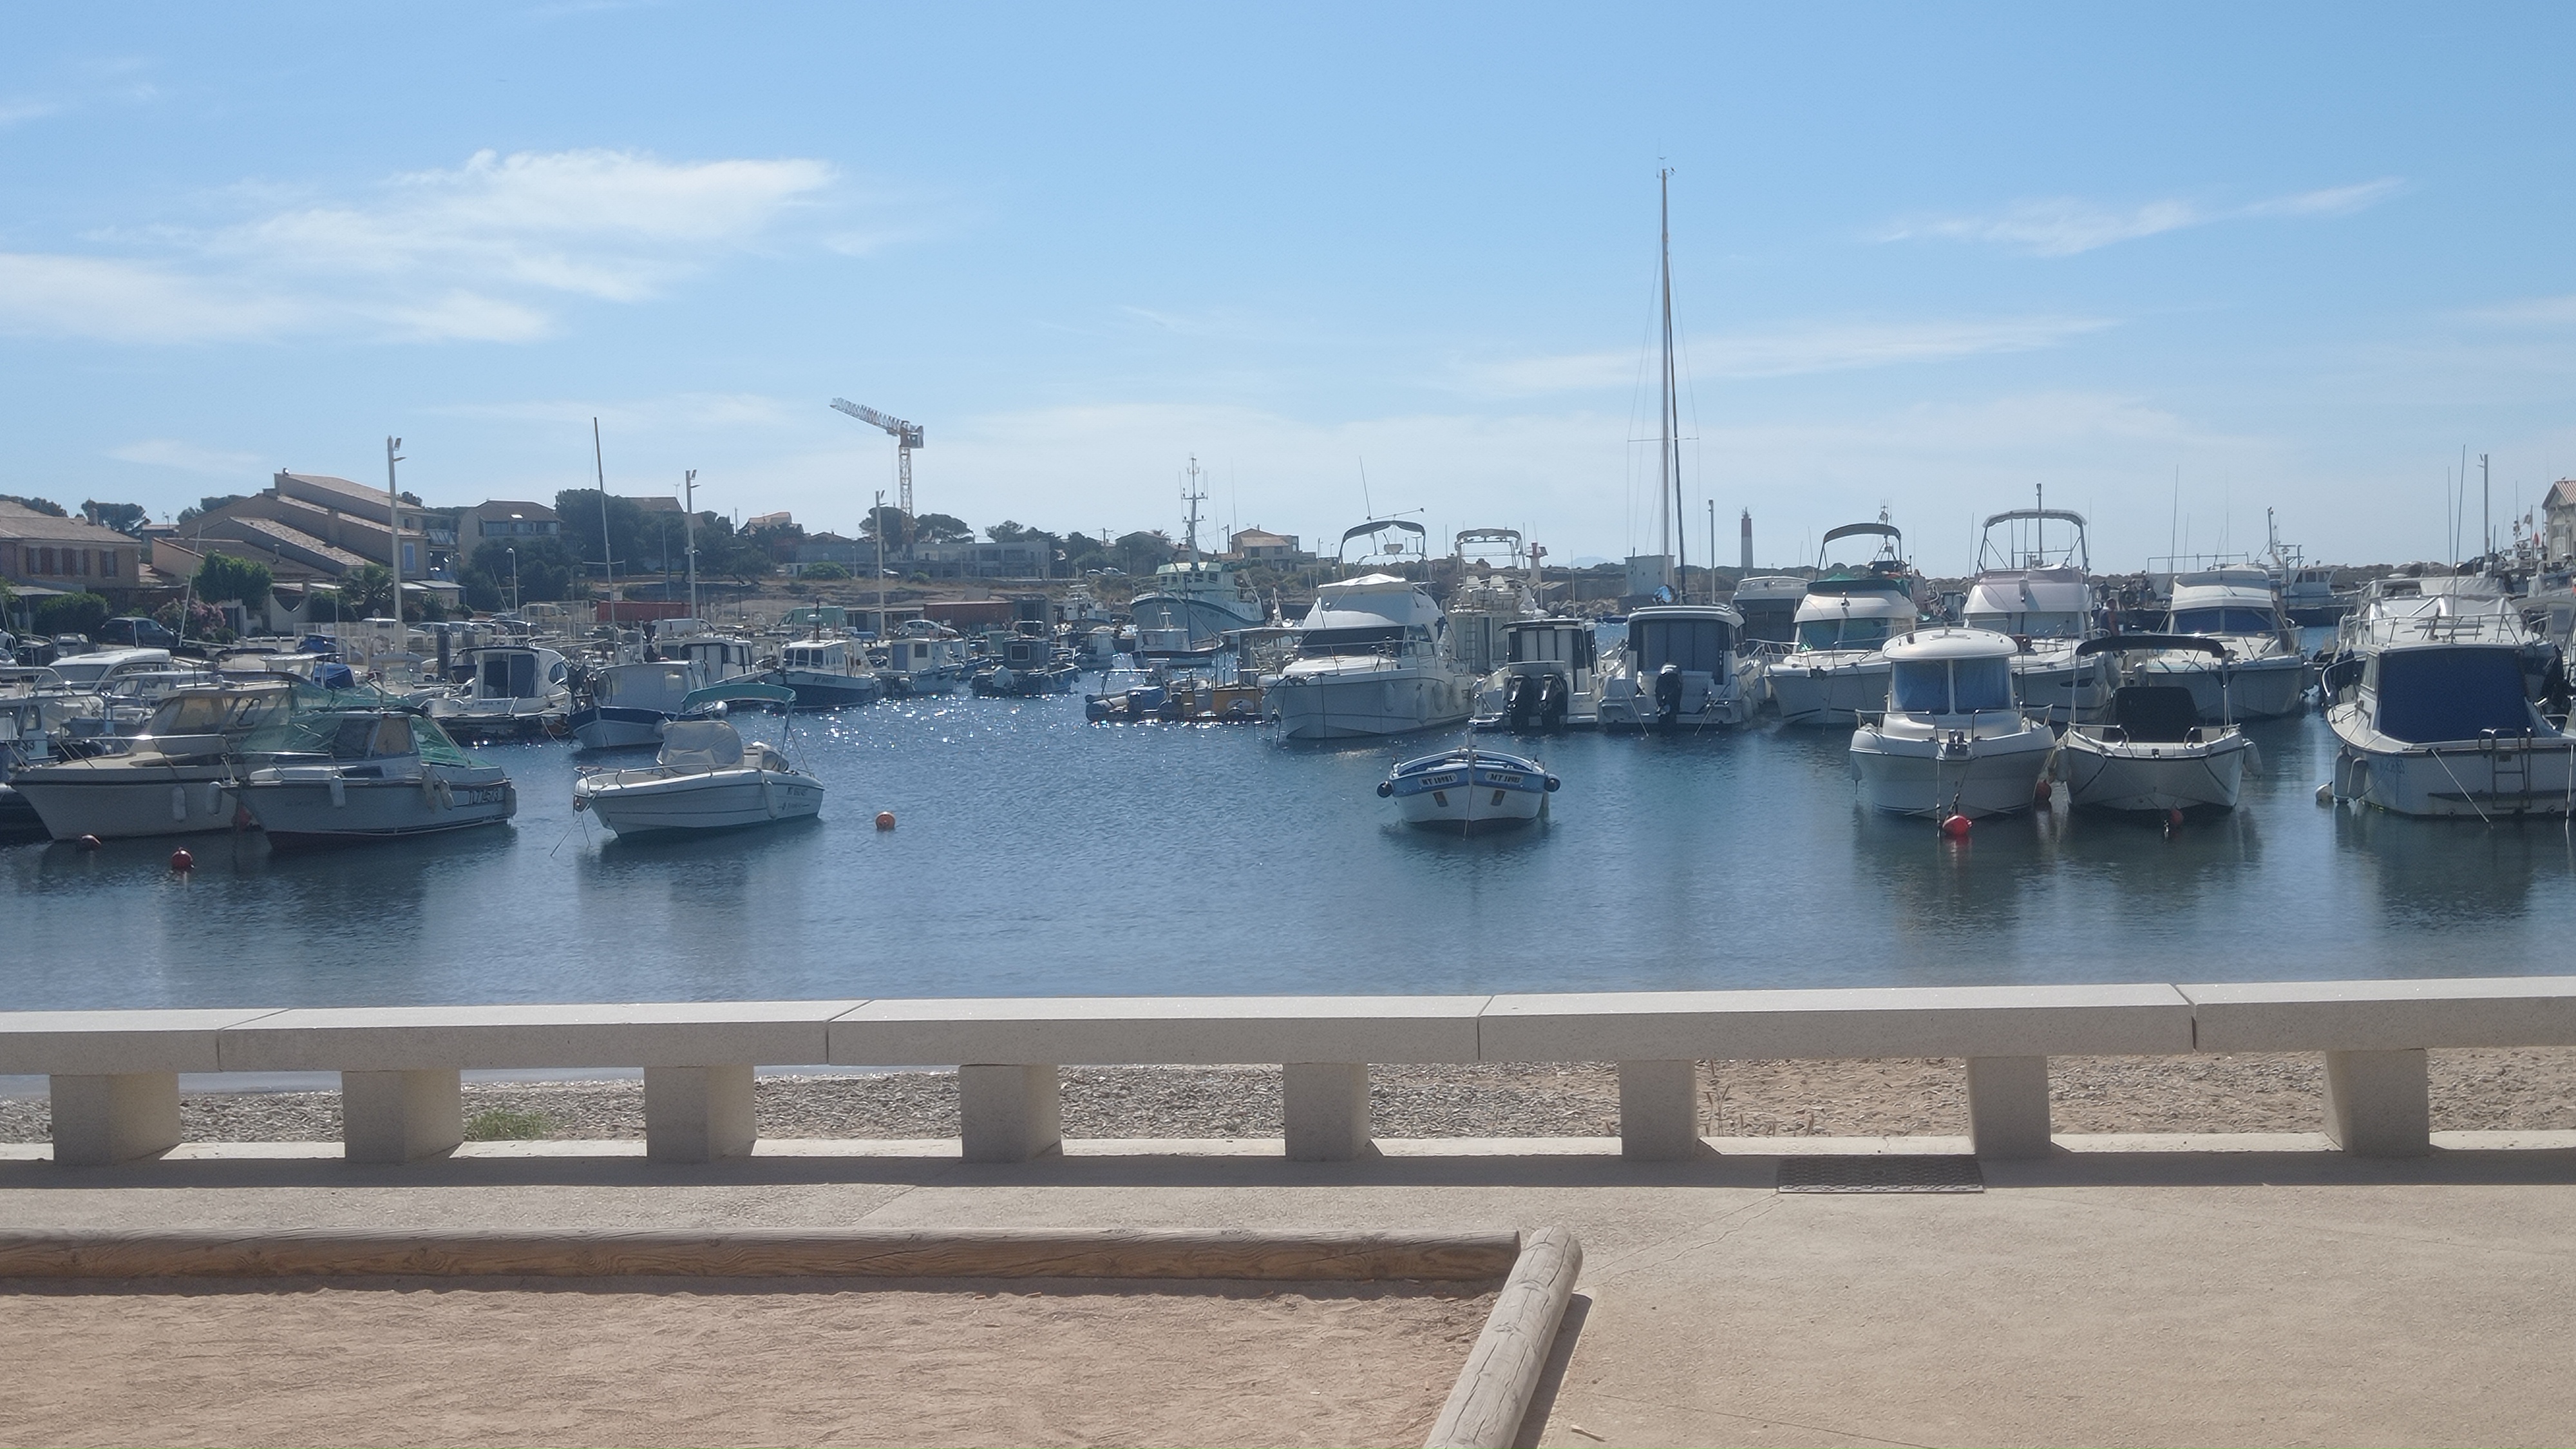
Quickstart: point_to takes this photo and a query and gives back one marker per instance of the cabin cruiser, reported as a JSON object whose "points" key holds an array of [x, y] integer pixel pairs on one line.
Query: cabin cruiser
{"points": [[707, 776], [1834, 671], [2158, 754], [1549, 678], [1469, 790], [1769, 606], [2042, 598], [1681, 666], [923, 659], [1372, 659], [2265, 675], [2432, 706], [340, 776], [1493, 588], [1026, 667], [826, 674], [1190, 606], [1952, 739], [514, 691], [100, 670], [626, 705], [175, 778]]}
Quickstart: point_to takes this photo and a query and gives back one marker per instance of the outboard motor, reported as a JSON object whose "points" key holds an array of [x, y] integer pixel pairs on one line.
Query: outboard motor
{"points": [[1668, 694], [1518, 701], [1551, 701]]}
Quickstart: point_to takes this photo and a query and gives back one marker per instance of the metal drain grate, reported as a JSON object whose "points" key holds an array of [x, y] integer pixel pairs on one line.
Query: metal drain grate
{"points": [[1892, 1173]]}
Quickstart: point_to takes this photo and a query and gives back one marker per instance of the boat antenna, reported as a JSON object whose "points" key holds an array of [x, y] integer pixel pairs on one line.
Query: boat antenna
{"points": [[607, 558]]}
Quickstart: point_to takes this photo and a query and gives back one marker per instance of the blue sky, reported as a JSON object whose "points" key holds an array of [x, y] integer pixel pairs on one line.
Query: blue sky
{"points": [[1927, 258]]}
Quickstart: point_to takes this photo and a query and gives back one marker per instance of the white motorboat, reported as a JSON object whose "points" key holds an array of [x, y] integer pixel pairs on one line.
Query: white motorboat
{"points": [[176, 778], [1372, 659], [923, 659], [2434, 714], [514, 691], [1835, 670], [1549, 678], [2265, 675], [1769, 606], [2041, 595], [1952, 739], [707, 776], [2156, 754], [1469, 790], [1492, 588], [826, 674], [100, 670], [1682, 667], [337, 777], [626, 705]]}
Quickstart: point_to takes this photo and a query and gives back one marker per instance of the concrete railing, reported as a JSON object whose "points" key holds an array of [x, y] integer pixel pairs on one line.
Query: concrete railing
{"points": [[115, 1073]]}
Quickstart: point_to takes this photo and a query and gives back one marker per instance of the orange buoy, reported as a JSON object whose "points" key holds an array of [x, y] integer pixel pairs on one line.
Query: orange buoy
{"points": [[88, 842], [182, 862], [1955, 827], [885, 820]]}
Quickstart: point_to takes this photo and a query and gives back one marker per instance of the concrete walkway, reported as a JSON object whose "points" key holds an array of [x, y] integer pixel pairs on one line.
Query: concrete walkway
{"points": [[2102, 1296]]}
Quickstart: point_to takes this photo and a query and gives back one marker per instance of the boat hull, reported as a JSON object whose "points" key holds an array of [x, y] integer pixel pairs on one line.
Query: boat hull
{"points": [[816, 690], [1449, 793], [724, 800], [314, 812], [1994, 775], [1365, 705], [126, 802], [617, 727], [2062, 688], [1828, 695], [2267, 688], [2104, 775], [2506, 778]]}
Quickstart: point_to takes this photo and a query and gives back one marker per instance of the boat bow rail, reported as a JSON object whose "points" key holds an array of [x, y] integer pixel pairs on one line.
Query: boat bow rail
{"points": [[115, 1094]]}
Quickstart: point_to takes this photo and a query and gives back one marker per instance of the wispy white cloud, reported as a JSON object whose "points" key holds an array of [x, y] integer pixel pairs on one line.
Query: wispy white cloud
{"points": [[2528, 312], [186, 457], [111, 81], [480, 252], [2068, 226], [1835, 345]]}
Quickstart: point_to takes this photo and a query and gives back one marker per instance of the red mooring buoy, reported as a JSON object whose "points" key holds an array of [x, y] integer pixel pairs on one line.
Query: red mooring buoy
{"points": [[182, 862], [1955, 827], [87, 842], [885, 820], [2173, 821], [2040, 795]]}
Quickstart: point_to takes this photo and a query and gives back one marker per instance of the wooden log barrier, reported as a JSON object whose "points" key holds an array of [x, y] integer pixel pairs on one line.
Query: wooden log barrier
{"points": [[1493, 1391], [1294, 1257]]}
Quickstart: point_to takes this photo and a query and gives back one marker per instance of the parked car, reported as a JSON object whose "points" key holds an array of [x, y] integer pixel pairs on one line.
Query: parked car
{"points": [[135, 632]]}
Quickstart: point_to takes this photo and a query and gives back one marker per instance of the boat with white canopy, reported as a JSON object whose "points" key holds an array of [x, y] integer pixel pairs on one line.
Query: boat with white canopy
{"points": [[1836, 669], [2035, 587], [1952, 739], [2265, 675]]}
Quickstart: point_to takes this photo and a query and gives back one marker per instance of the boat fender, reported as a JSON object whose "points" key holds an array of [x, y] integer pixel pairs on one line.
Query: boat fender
{"points": [[1385, 789], [1552, 783], [339, 793], [178, 802]]}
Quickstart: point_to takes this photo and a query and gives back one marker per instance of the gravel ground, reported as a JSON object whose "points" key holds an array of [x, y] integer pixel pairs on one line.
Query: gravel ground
{"points": [[2472, 1090]]}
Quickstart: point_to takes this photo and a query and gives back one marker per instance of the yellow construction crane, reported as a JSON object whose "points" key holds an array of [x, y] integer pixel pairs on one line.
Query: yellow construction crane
{"points": [[907, 436]]}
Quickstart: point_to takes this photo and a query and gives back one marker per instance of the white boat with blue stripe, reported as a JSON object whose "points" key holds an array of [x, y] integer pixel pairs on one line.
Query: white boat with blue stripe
{"points": [[1469, 790]]}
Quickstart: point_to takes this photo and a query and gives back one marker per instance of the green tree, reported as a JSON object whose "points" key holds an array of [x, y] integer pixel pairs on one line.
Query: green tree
{"points": [[632, 539], [123, 517], [45, 506], [224, 578], [209, 504], [79, 613], [547, 571], [825, 572], [898, 530], [367, 592], [1142, 553], [941, 528]]}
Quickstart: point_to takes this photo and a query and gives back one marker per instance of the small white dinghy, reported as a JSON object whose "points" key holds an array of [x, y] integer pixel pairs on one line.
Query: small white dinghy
{"points": [[1469, 790], [2155, 755], [707, 776]]}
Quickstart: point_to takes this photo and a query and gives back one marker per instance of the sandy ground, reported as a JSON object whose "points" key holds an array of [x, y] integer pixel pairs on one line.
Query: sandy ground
{"points": [[698, 1362], [2520, 1090]]}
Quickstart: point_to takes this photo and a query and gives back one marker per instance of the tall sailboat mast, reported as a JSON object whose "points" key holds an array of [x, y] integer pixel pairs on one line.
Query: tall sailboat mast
{"points": [[1668, 461]]}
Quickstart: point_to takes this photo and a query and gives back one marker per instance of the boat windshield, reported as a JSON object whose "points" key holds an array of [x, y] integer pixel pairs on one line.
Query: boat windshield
{"points": [[2429, 695], [1318, 643], [1842, 633], [1950, 686], [2035, 625], [2232, 619], [1687, 644]]}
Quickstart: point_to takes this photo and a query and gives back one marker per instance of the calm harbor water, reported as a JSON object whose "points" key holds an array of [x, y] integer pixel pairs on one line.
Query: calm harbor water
{"points": [[1037, 854]]}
